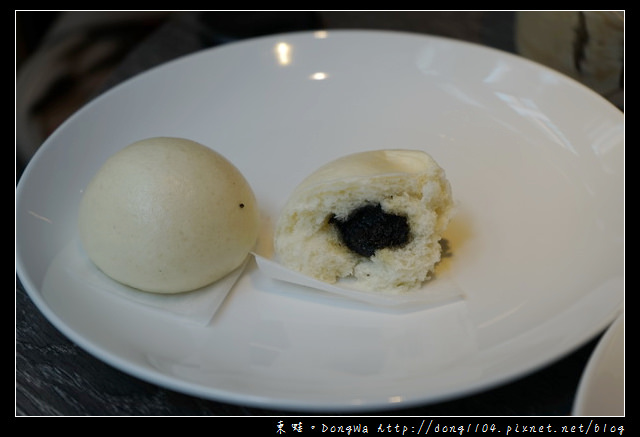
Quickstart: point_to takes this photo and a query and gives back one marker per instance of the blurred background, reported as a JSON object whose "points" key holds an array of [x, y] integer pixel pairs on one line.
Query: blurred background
{"points": [[66, 58]]}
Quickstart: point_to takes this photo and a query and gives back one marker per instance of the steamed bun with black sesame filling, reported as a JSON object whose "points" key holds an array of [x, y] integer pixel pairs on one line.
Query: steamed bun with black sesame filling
{"points": [[168, 215], [376, 217]]}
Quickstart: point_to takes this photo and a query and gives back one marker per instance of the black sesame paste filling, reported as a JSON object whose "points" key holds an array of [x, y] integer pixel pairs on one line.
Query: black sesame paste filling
{"points": [[369, 228]]}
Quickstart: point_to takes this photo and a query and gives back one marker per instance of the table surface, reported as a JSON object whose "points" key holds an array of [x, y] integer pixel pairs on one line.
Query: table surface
{"points": [[55, 377]]}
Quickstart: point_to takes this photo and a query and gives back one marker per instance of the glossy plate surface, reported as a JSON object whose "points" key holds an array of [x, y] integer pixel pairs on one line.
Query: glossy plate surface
{"points": [[601, 391], [535, 161]]}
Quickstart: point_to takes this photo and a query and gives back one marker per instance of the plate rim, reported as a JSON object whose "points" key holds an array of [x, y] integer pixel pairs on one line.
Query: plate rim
{"points": [[35, 295], [583, 392]]}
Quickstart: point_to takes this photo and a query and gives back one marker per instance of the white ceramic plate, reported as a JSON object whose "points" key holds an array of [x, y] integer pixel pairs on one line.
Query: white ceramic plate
{"points": [[601, 389], [536, 165]]}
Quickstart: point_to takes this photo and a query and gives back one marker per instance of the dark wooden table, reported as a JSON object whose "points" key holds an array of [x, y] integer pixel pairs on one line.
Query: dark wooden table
{"points": [[56, 377]]}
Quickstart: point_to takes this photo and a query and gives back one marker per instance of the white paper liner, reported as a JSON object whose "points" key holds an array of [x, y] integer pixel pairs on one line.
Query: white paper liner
{"points": [[197, 306], [73, 267], [438, 291]]}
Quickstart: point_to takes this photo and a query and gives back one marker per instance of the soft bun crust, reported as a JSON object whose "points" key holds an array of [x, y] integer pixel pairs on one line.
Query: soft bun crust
{"points": [[168, 215], [404, 182]]}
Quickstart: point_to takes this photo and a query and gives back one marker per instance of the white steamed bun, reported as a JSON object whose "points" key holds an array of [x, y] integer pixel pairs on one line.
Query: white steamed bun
{"points": [[376, 217], [168, 215]]}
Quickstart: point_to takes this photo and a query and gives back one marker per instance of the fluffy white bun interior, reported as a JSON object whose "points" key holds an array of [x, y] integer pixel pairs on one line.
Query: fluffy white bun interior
{"points": [[404, 182]]}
